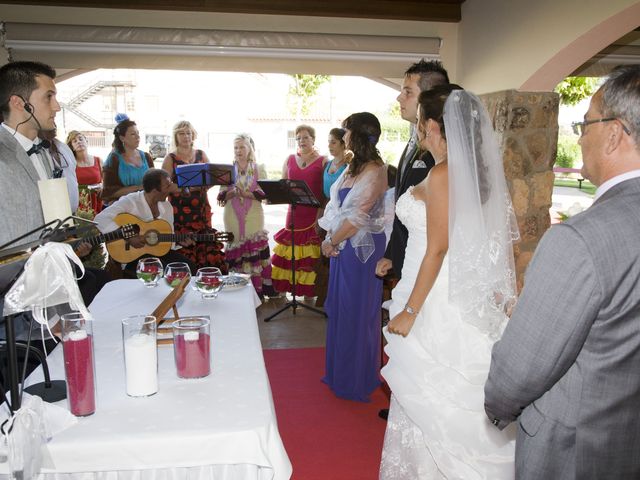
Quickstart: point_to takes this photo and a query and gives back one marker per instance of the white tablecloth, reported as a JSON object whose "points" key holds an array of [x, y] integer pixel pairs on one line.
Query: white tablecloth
{"points": [[222, 426]]}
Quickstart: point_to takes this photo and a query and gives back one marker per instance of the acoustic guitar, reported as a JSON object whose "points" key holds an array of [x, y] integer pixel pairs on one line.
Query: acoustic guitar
{"points": [[158, 236]]}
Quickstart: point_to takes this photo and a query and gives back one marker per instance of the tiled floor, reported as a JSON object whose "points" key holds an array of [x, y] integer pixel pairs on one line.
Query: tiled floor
{"points": [[303, 330]]}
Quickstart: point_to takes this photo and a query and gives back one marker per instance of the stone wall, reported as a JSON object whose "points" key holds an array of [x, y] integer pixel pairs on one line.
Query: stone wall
{"points": [[527, 128]]}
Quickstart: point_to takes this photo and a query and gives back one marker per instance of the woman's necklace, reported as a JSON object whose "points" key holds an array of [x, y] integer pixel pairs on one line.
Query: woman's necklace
{"points": [[187, 156], [243, 170], [132, 157], [335, 165], [84, 161], [303, 160]]}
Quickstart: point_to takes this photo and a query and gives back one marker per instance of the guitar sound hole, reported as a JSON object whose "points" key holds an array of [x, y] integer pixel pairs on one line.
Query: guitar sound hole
{"points": [[151, 237]]}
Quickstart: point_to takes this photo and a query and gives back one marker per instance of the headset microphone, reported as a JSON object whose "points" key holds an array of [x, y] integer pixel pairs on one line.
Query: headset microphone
{"points": [[30, 110], [27, 106]]}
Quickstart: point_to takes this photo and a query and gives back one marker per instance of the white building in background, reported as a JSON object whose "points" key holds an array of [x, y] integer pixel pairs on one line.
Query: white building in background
{"points": [[218, 104]]}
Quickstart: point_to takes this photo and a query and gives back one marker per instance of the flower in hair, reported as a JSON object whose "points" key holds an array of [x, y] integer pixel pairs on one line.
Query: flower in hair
{"points": [[373, 139], [348, 156], [121, 117]]}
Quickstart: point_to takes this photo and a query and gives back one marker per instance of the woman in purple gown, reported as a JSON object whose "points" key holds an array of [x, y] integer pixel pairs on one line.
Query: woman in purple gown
{"points": [[355, 241]]}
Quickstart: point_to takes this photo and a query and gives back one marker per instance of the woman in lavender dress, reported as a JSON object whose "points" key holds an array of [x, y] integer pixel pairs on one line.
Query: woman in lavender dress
{"points": [[355, 241]]}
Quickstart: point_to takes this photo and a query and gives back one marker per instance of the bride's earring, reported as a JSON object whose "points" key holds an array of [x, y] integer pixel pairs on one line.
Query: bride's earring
{"points": [[427, 134]]}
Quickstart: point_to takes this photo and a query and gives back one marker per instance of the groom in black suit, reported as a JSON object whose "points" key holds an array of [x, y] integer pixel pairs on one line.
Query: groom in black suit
{"points": [[414, 164]]}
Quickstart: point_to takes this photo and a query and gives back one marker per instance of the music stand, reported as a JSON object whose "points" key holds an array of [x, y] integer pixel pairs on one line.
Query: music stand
{"points": [[294, 193], [205, 174]]}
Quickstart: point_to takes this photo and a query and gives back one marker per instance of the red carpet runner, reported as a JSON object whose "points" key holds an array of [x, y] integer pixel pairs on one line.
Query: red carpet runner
{"points": [[326, 438]]}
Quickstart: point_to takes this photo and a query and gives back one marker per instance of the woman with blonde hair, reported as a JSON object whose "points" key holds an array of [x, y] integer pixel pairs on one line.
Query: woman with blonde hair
{"points": [[244, 217], [191, 209]]}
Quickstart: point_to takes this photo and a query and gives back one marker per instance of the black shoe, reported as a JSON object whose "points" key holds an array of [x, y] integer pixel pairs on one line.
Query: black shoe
{"points": [[384, 413]]}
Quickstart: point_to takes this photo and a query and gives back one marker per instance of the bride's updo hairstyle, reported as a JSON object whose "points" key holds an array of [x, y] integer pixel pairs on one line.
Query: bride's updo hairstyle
{"points": [[365, 133], [432, 106], [431, 103]]}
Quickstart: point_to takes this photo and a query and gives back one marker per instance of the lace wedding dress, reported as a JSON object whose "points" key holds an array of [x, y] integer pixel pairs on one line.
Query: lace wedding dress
{"points": [[437, 427]]}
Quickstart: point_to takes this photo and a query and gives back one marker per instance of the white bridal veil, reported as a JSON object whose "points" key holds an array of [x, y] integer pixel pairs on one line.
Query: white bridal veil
{"points": [[482, 224]]}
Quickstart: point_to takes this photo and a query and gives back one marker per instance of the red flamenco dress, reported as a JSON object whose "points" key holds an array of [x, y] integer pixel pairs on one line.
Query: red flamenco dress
{"points": [[90, 199], [307, 241], [192, 214]]}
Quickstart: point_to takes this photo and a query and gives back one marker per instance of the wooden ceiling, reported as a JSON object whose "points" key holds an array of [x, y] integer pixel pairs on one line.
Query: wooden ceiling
{"points": [[420, 10]]}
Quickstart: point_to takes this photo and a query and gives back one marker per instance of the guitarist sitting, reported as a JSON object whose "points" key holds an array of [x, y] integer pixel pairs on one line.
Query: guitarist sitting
{"points": [[149, 204]]}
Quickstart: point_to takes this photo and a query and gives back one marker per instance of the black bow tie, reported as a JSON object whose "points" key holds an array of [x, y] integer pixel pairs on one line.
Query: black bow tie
{"points": [[36, 147]]}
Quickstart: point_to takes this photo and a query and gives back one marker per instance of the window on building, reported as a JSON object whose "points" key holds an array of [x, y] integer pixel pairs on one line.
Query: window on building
{"points": [[95, 139], [291, 140]]}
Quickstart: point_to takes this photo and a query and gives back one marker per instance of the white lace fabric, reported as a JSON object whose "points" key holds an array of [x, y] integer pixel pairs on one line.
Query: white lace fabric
{"points": [[482, 224], [405, 455], [437, 374]]}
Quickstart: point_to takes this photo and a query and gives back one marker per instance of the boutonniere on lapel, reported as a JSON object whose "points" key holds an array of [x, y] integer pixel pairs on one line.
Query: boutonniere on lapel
{"points": [[574, 209]]}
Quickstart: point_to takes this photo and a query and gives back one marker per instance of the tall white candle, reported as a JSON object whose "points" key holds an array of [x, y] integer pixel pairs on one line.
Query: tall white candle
{"points": [[141, 365]]}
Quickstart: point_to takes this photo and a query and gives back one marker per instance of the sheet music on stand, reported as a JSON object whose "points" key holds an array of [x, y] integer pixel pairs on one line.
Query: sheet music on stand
{"points": [[205, 174], [292, 192]]}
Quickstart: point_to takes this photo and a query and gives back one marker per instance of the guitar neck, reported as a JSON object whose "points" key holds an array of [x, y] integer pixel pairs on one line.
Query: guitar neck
{"points": [[102, 238], [178, 237]]}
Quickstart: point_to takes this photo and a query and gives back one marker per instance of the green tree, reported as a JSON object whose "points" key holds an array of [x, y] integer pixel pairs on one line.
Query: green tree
{"points": [[568, 153], [395, 133], [574, 89], [393, 125], [302, 91]]}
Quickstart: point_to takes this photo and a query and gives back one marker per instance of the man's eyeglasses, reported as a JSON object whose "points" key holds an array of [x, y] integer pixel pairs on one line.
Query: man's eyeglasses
{"points": [[579, 127]]}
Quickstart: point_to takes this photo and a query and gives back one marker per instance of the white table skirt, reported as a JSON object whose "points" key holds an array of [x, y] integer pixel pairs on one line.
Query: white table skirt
{"points": [[222, 426]]}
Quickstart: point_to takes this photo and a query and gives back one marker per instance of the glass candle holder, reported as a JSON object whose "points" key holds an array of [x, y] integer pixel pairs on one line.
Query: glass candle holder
{"points": [[149, 271], [175, 272], [209, 282], [79, 365], [191, 346], [140, 355]]}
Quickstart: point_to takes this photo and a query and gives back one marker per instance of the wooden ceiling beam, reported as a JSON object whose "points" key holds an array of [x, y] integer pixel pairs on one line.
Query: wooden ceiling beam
{"points": [[419, 10]]}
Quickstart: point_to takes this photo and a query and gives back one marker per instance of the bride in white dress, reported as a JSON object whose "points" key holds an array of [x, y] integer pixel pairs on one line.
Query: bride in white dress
{"points": [[449, 307]]}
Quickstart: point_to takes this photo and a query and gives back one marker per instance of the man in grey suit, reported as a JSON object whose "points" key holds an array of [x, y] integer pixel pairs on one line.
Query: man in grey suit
{"points": [[28, 104], [568, 364]]}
